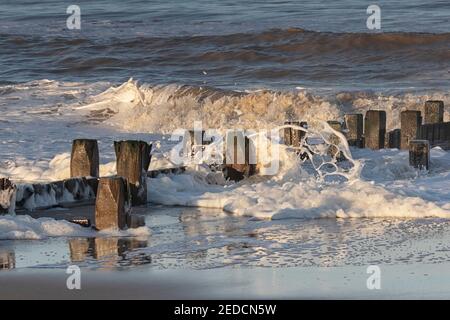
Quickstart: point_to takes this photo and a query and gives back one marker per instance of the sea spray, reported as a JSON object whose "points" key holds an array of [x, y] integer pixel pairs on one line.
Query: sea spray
{"points": [[300, 189], [164, 108]]}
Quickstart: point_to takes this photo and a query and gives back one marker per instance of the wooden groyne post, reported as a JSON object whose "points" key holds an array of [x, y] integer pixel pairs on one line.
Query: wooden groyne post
{"points": [[419, 154], [438, 134], [394, 139], [410, 121], [434, 111], [112, 204], [292, 136], [375, 129], [238, 156], [7, 196], [7, 260], [84, 160], [354, 124], [133, 160]]}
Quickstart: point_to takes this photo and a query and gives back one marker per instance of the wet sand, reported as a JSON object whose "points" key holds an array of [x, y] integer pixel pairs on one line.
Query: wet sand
{"points": [[196, 253], [406, 282]]}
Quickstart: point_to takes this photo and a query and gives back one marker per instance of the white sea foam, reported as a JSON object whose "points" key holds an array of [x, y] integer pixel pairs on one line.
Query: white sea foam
{"points": [[165, 108], [23, 227], [386, 188]]}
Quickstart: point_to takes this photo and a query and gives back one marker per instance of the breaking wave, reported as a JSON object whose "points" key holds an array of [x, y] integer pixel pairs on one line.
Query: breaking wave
{"points": [[164, 108]]}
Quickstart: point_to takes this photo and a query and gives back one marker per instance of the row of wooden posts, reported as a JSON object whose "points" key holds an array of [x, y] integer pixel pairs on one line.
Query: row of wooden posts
{"points": [[115, 195], [362, 131], [415, 134]]}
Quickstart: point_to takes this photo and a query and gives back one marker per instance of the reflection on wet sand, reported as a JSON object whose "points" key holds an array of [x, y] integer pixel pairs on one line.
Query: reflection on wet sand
{"points": [[203, 230], [7, 260], [205, 238], [79, 249], [109, 252], [196, 222]]}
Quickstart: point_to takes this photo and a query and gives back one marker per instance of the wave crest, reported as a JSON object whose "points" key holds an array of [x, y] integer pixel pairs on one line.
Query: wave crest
{"points": [[164, 108]]}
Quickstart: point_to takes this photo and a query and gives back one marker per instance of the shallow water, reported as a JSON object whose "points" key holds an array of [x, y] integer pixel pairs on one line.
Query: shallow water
{"points": [[207, 239]]}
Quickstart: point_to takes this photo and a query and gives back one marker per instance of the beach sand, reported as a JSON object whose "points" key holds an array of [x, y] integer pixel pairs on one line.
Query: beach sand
{"points": [[194, 253], [417, 281]]}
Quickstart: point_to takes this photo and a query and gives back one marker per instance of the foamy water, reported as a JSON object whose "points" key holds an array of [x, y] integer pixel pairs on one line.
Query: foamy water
{"points": [[191, 238], [377, 184]]}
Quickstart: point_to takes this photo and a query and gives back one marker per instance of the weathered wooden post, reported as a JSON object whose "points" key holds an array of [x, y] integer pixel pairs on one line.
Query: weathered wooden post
{"points": [[297, 134], [434, 111], [419, 154], [112, 204], [355, 125], [410, 121], [238, 156], [374, 129], [394, 139], [133, 160], [7, 260], [7, 196], [444, 135], [287, 134], [84, 161], [293, 136]]}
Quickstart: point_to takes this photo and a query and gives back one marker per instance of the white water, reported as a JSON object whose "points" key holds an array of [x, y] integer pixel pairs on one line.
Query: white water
{"points": [[144, 108], [24, 227], [387, 187], [40, 119]]}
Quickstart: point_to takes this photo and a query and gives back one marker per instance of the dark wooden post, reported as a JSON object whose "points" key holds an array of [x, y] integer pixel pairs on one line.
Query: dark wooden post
{"points": [[374, 129], [133, 160], [84, 161], [419, 154], [434, 111], [237, 156], [112, 204], [7, 196], [394, 138], [293, 136], [7, 260], [411, 121], [355, 125], [287, 134]]}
